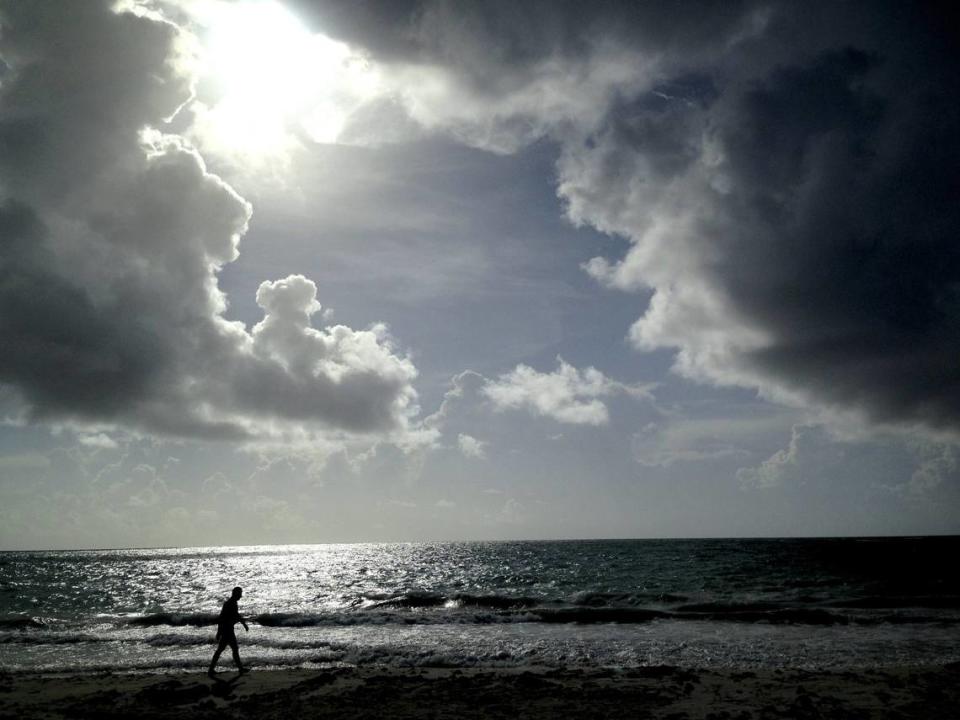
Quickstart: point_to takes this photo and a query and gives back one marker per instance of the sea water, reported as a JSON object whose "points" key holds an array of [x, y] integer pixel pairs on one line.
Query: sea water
{"points": [[816, 603]]}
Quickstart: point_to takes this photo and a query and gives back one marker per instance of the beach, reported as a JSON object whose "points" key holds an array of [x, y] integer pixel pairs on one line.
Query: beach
{"points": [[649, 692], [765, 629]]}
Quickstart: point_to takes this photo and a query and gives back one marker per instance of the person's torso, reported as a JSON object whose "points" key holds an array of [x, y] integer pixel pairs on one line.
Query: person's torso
{"points": [[229, 615]]}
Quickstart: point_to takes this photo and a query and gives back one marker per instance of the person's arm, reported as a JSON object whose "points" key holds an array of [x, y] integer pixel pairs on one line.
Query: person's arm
{"points": [[220, 622], [243, 622]]}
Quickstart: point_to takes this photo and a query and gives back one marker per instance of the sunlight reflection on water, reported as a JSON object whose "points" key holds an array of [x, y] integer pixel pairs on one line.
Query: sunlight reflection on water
{"points": [[723, 602]]}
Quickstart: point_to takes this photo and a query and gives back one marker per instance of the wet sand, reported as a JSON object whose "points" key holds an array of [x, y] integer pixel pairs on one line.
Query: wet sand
{"points": [[655, 692]]}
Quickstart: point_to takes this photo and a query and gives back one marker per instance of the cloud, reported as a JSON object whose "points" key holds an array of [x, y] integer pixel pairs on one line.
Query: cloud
{"points": [[112, 235], [98, 440], [900, 465], [787, 179], [462, 385], [795, 229], [803, 247], [937, 464], [784, 465], [471, 447], [567, 395], [297, 371], [500, 74]]}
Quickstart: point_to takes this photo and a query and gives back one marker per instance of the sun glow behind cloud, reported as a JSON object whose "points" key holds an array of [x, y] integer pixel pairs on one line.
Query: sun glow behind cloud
{"points": [[266, 81]]}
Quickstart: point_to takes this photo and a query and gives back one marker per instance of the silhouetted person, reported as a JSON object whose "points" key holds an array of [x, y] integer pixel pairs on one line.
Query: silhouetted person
{"points": [[229, 616]]}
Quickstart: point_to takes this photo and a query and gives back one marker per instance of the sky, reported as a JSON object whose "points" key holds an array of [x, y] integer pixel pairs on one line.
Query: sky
{"points": [[401, 270]]}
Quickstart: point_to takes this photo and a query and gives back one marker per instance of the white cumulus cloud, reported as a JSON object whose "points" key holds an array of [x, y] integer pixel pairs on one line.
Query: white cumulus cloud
{"points": [[471, 447], [567, 395]]}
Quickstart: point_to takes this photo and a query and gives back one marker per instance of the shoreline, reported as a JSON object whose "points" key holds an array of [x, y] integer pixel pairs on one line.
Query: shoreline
{"points": [[658, 692]]}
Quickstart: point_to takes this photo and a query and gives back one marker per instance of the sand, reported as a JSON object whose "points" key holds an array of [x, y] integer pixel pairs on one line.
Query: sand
{"points": [[655, 692]]}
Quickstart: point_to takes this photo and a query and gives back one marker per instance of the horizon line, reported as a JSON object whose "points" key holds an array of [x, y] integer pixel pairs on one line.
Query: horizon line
{"points": [[920, 536]]}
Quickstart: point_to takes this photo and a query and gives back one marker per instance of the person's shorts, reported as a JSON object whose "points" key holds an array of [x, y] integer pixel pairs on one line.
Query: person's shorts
{"points": [[228, 637]]}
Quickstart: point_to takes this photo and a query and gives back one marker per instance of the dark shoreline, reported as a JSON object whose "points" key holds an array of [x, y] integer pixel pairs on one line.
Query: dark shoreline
{"points": [[894, 693]]}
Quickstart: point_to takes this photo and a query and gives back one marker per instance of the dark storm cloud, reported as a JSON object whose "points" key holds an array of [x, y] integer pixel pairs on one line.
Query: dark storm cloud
{"points": [[500, 49], [787, 173], [62, 126], [804, 237], [111, 238], [477, 35], [852, 195], [59, 348]]}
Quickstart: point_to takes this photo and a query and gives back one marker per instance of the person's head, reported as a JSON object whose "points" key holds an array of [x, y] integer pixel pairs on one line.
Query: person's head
{"points": [[237, 593]]}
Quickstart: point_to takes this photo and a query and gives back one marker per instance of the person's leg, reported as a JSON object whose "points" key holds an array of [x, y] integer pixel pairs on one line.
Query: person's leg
{"points": [[235, 648], [216, 655]]}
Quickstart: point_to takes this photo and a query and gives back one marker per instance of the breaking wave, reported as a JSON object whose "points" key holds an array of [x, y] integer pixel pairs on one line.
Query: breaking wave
{"points": [[485, 610], [21, 623]]}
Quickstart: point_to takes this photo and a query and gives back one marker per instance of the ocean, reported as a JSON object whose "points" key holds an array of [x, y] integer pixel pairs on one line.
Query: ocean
{"points": [[766, 603]]}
